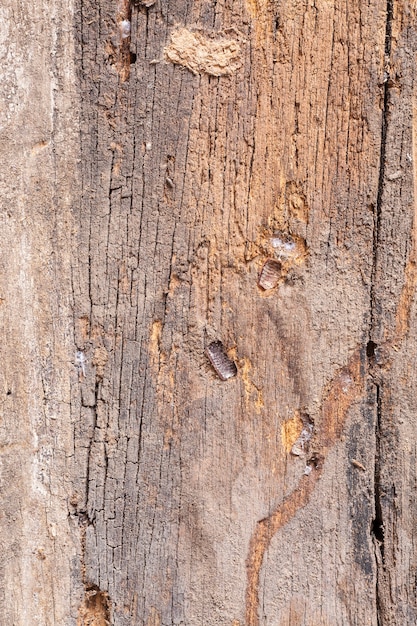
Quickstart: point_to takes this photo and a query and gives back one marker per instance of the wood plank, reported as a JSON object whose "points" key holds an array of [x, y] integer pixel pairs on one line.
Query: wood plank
{"points": [[261, 140]]}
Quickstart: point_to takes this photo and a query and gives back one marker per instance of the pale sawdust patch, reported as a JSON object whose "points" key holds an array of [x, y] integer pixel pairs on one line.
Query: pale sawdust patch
{"points": [[204, 55]]}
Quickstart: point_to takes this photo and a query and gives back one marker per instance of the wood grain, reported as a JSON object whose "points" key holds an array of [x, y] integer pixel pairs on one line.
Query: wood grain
{"points": [[155, 155], [192, 178]]}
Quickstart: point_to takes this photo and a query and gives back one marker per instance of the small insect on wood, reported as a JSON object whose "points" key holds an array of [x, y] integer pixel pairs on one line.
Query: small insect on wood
{"points": [[270, 274], [224, 367]]}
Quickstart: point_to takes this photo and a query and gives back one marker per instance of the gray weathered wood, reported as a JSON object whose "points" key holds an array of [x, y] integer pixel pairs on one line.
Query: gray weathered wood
{"points": [[39, 155]]}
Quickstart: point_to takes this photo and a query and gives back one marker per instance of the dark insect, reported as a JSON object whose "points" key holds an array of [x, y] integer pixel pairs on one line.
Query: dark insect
{"points": [[270, 274], [225, 368]]}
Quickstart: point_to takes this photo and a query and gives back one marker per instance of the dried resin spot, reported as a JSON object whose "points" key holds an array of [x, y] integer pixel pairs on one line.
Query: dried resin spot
{"points": [[284, 245], [270, 274], [81, 364], [288, 248], [124, 26], [225, 368]]}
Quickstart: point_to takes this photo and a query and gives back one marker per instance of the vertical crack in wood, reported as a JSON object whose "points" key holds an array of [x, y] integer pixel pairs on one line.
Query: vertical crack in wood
{"points": [[95, 610], [90, 510], [381, 176], [124, 18], [377, 525], [377, 375]]}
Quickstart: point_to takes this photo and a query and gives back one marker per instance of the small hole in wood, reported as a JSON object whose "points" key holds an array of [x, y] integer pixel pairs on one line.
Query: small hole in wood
{"points": [[277, 24], [371, 347], [377, 530]]}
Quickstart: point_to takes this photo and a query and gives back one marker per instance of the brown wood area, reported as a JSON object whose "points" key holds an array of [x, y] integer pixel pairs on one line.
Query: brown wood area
{"points": [[207, 291]]}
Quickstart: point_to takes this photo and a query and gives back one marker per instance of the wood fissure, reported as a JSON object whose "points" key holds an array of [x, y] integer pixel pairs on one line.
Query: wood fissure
{"points": [[377, 525], [382, 157], [387, 339]]}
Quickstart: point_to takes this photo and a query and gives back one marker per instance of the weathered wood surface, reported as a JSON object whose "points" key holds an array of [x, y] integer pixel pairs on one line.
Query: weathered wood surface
{"points": [[39, 154], [212, 137]]}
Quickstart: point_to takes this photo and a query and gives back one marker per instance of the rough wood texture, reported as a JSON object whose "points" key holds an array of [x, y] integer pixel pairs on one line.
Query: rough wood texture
{"points": [[394, 329], [213, 137], [39, 149]]}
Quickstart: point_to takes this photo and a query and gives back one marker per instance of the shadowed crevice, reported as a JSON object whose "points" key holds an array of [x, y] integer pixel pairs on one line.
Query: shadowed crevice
{"points": [[376, 307]]}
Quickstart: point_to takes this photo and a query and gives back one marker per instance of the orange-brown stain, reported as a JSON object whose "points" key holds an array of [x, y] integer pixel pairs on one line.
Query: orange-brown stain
{"points": [[406, 299], [290, 431], [116, 169], [170, 437], [39, 146], [297, 202], [256, 7], [253, 395], [154, 618], [252, 7], [84, 326], [99, 360], [347, 386], [95, 610], [174, 283], [155, 339]]}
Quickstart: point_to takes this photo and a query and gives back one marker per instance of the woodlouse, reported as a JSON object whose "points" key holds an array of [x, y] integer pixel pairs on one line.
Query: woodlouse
{"points": [[225, 368], [270, 274]]}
